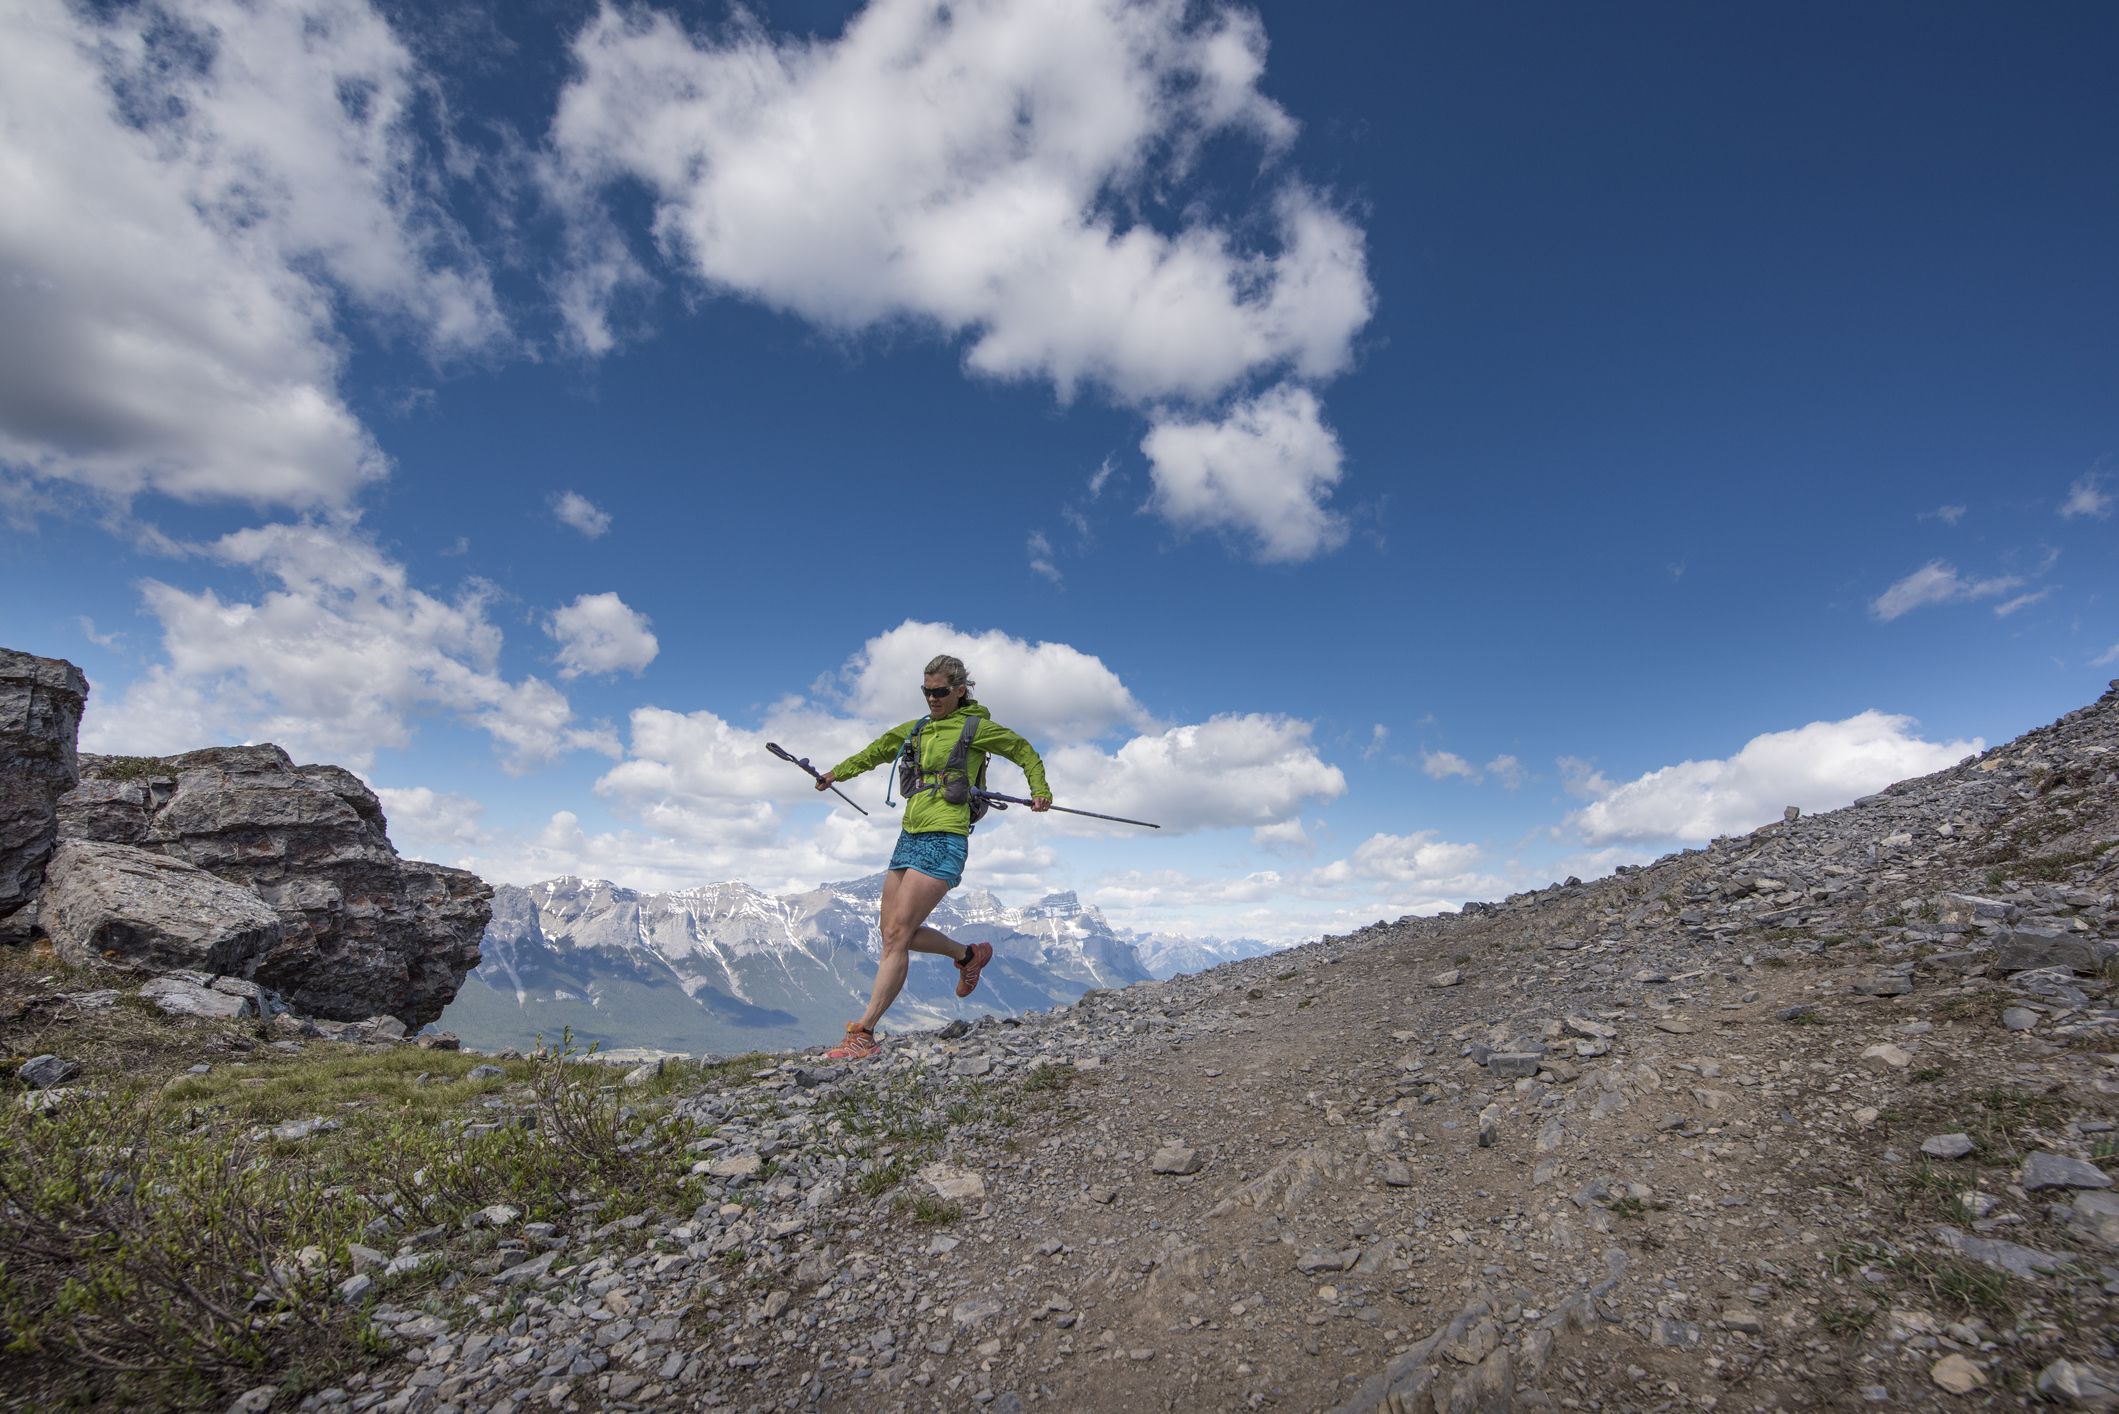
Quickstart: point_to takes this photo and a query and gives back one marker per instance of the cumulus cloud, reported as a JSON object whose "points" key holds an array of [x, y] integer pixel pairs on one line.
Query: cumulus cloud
{"points": [[2087, 497], [574, 509], [601, 633], [991, 172], [1821, 766], [1937, 582], [1508, 771], [1419, 862], [191, 190], [955, 166], [1581, 779], [1047, 691], [1261, 472], [431, 824], [1442, 765], [1286, 838], [1234, 770], [334, 662]]}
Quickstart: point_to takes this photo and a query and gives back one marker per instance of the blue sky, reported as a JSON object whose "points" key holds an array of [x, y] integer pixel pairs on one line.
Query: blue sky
{"points": [[1414, 453]]}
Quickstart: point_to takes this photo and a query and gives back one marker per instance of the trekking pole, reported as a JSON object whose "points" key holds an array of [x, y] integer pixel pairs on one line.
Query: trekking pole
{"points": [[815, 774], [1019, 800]]}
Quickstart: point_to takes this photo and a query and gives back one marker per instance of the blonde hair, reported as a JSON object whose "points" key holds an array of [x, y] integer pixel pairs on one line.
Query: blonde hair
{"points": [[943, 665]]}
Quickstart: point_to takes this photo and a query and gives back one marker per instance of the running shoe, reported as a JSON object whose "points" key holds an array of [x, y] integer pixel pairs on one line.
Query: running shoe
{"points": [[860, 1044], [968, 970]]}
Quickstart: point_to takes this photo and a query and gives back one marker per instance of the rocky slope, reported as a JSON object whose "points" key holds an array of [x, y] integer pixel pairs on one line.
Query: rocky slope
{"points": [[727, 968], [1819, 1117]]}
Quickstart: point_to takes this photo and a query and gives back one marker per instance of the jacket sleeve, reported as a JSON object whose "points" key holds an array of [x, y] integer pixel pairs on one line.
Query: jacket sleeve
{"points": [[882, 749], [997, 740]]}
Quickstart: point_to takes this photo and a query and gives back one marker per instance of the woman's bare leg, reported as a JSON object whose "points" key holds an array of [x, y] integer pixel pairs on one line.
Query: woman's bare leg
{"points": [[908, 897]]}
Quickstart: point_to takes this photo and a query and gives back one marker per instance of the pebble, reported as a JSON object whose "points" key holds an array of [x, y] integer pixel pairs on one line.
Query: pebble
{"points": [[1956, 1374], [1946, 1146]]}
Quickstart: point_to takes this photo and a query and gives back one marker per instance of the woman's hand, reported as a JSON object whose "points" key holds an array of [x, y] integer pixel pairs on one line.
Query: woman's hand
{"points": [[824, 781], [1040, 803]]}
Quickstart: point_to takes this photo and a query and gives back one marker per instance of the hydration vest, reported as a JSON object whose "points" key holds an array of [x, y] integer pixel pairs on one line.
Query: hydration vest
{"points": [[952, 781]]}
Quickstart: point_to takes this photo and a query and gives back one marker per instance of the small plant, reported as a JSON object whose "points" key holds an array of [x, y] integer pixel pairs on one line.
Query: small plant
{"points": [[1048, 1077], [1925, 1074], [1844, 1320], [1811, 1017], [1775, 960], [928, 1210], [881, 1178], [1629, 1207]]}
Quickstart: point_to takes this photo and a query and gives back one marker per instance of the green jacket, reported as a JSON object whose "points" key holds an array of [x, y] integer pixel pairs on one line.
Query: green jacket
{"points": [[927, 812]]}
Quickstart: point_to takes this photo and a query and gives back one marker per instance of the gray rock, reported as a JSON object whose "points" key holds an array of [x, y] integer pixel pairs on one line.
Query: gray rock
{"points": [[363, 932], [2027, 950], [43, 1072], [2080, 1384], [1512, 1065], [2095, 1219], [2049, 1170], [40, 715], [179, 996], [530, 1271], [1175, 1159], [2011, 1257], [2019, 1018], [1946, 1146], [484, 1072], [112, 903]]}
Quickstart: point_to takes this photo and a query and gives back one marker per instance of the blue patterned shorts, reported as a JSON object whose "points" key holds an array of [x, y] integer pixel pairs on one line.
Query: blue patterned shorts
{"points": [[937, 854]]}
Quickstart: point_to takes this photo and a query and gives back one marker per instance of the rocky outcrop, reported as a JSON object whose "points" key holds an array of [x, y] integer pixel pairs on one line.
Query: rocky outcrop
{"points": [[362, 932], [40, 713], [114, 903]]}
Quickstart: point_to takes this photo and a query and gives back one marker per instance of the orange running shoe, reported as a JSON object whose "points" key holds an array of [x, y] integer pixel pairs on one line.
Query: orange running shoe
{"points": [[860, 1044], [968, 970]]}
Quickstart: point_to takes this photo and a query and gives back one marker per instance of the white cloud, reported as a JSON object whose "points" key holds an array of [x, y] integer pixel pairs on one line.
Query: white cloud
{"points": [[1441, 765], [1232, 770], [957, 167], [1050, 692], [1262, 471], [190, 189], [431, 824], [1419, 862], [1581, 779], [1379, 737], [574, 509], [2021, 601], [1948, 515], [1101, 477], [1286, 838], [2087, 497], [600, 633], [334, 663], [1937, 582], [1508, 771], [2108, 657], [101, 640], [1821, 766], [1041, 556]]}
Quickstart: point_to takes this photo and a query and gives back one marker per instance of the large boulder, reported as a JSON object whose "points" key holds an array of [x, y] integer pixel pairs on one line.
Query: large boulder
{"points": [[113, 903], [363, 933], [40, 713]]}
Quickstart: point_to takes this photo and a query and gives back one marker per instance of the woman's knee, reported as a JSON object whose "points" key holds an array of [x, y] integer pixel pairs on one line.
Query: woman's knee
{"points": [[898, 935]]}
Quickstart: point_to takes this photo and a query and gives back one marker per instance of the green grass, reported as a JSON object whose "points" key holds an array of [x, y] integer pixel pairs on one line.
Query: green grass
{"points": [[1844, 1320], [152, 1250], [1048, 1077], [1947, 1281], [928, 1210], [880, 1178], [132, 768]]}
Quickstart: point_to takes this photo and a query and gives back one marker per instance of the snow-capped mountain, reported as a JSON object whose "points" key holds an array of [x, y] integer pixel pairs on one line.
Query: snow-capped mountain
{"points": [[1168, 954], [726, 968]]}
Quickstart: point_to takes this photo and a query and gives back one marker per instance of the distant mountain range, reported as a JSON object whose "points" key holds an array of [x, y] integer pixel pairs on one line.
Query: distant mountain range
{"points": [[727, 968]]}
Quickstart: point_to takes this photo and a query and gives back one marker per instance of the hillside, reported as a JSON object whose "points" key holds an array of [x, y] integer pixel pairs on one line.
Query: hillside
{"points": [[1821, 1116]]}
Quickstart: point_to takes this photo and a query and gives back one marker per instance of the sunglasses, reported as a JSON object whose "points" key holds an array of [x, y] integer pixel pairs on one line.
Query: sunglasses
{"points": [[937, 691]]}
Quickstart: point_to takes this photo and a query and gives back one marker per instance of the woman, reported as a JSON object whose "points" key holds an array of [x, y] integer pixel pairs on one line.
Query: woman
{"points": [[934, 842]]}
